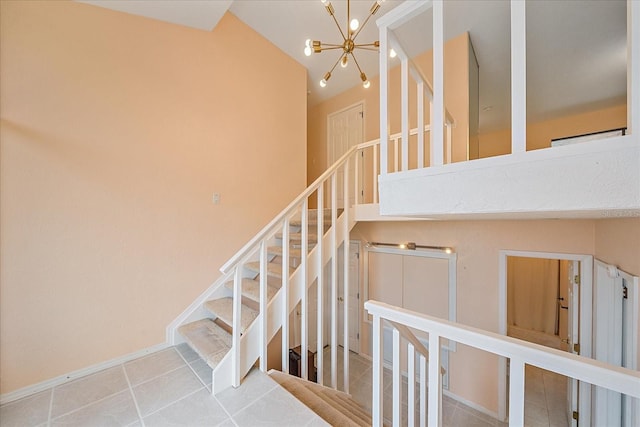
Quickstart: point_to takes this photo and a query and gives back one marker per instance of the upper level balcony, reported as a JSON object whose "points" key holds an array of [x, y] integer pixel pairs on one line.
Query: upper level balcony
{"points": [[500, 88]]}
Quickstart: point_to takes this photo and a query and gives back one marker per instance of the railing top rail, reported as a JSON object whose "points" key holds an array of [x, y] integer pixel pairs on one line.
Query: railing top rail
{"points": [[247, 249], [595, 372]]}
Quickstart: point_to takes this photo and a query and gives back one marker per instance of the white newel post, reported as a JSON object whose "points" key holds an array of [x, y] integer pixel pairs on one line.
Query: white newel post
{"points": [[404, 93], [435, 381], [516, 393], [437, 107], [263, 306], [320, 284], [334, 281], [345, 279], [384, 88], [304, 301], [518, 77], [397, 380], [376, 396], [285, 299], [237, 325]]}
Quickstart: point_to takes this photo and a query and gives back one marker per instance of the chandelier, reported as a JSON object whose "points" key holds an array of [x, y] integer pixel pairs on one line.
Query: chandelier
{"points": [[348, 45]]}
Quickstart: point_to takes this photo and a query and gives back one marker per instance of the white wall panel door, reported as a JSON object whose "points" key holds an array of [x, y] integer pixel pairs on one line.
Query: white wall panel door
{"points": [[354, 298], [345, 130], [615, 339]]}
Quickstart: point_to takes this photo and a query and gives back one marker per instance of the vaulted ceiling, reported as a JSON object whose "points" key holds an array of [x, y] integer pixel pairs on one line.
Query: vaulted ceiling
{"points": [[576, 51]]}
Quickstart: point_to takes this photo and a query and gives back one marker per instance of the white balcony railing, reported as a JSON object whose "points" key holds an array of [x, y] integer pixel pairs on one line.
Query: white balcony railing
{"points": [[441, 120], [519, 353]]}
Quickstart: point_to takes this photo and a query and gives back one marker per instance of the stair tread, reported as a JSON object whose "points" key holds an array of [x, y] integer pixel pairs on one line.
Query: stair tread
{"points": [[297, 237], [333, 406], [293, 252], [223, 309], [209, 340], [313, 213], [251, 289], [273, 269], [311, 222]]}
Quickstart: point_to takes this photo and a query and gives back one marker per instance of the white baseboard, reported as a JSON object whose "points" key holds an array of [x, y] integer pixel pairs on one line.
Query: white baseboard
{"points": [[471, 404], [36, 388]]}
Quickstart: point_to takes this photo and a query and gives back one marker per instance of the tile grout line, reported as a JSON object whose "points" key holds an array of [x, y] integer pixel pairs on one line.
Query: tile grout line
{"points": [[251, 402], [176, 401], [102, 399], [205, 387], [158, 376], [193, 370], [133, 396], [50, 407]]}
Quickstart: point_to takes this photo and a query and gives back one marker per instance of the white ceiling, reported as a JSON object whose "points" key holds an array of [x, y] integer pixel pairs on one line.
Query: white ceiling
{"points": [[576, 51]]}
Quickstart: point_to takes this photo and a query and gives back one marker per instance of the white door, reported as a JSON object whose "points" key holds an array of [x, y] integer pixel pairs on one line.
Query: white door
{"points": [[607, 342], [573, 329], [345, 130], [354, 298]]}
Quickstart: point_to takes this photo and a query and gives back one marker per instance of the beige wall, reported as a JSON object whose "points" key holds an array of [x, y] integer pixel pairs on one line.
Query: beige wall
{"points": [[539, 135], [617, 242], [474, 374], [456, 91], [115, 132]]}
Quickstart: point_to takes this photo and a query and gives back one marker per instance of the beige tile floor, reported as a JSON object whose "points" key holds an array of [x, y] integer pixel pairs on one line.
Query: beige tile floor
{"points": [[172, 388], [167, 388]]}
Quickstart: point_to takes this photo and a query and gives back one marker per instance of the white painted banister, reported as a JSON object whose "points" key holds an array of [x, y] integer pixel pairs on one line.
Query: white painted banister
{"points": [[247, 250], [520, 353]]}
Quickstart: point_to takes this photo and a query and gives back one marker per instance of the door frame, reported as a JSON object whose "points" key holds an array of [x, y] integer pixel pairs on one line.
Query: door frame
{"points": [[330, 160], [586, 312]]}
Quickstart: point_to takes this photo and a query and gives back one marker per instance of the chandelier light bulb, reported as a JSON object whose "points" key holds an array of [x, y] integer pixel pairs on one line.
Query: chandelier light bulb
{"points": [[307, 43], [323, 83], [365, 82], [344, 61], [392, 53], [354, 24], [307, 51]]}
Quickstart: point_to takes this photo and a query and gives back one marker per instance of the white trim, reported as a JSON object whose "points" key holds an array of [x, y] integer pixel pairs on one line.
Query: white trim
{"points": [[633, 66], [437, 106], [470, 404], [452, 258], [518, 77], [65, 378], [586, 310]]}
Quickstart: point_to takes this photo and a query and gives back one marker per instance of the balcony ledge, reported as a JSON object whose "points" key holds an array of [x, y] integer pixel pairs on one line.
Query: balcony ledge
{"points": [[598, 179]]}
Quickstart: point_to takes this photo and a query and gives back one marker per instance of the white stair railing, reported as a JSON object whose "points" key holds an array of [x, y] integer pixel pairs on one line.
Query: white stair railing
{"points": [[520, 353], [252, 344]]}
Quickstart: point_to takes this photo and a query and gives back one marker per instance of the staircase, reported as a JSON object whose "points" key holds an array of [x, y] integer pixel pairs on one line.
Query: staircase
{"points": [[211, 337]]}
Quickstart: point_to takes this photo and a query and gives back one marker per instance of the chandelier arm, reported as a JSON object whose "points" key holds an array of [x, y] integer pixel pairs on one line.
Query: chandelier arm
{"points": [[329, 48], [356, 61], [339, 29], [335, 65], [361, 27], [348, 18], [374, 44], [372, 49]]}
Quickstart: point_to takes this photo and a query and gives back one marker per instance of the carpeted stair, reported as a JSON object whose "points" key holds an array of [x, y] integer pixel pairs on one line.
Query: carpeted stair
{"points": [[335, 407], [211, 337]]}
